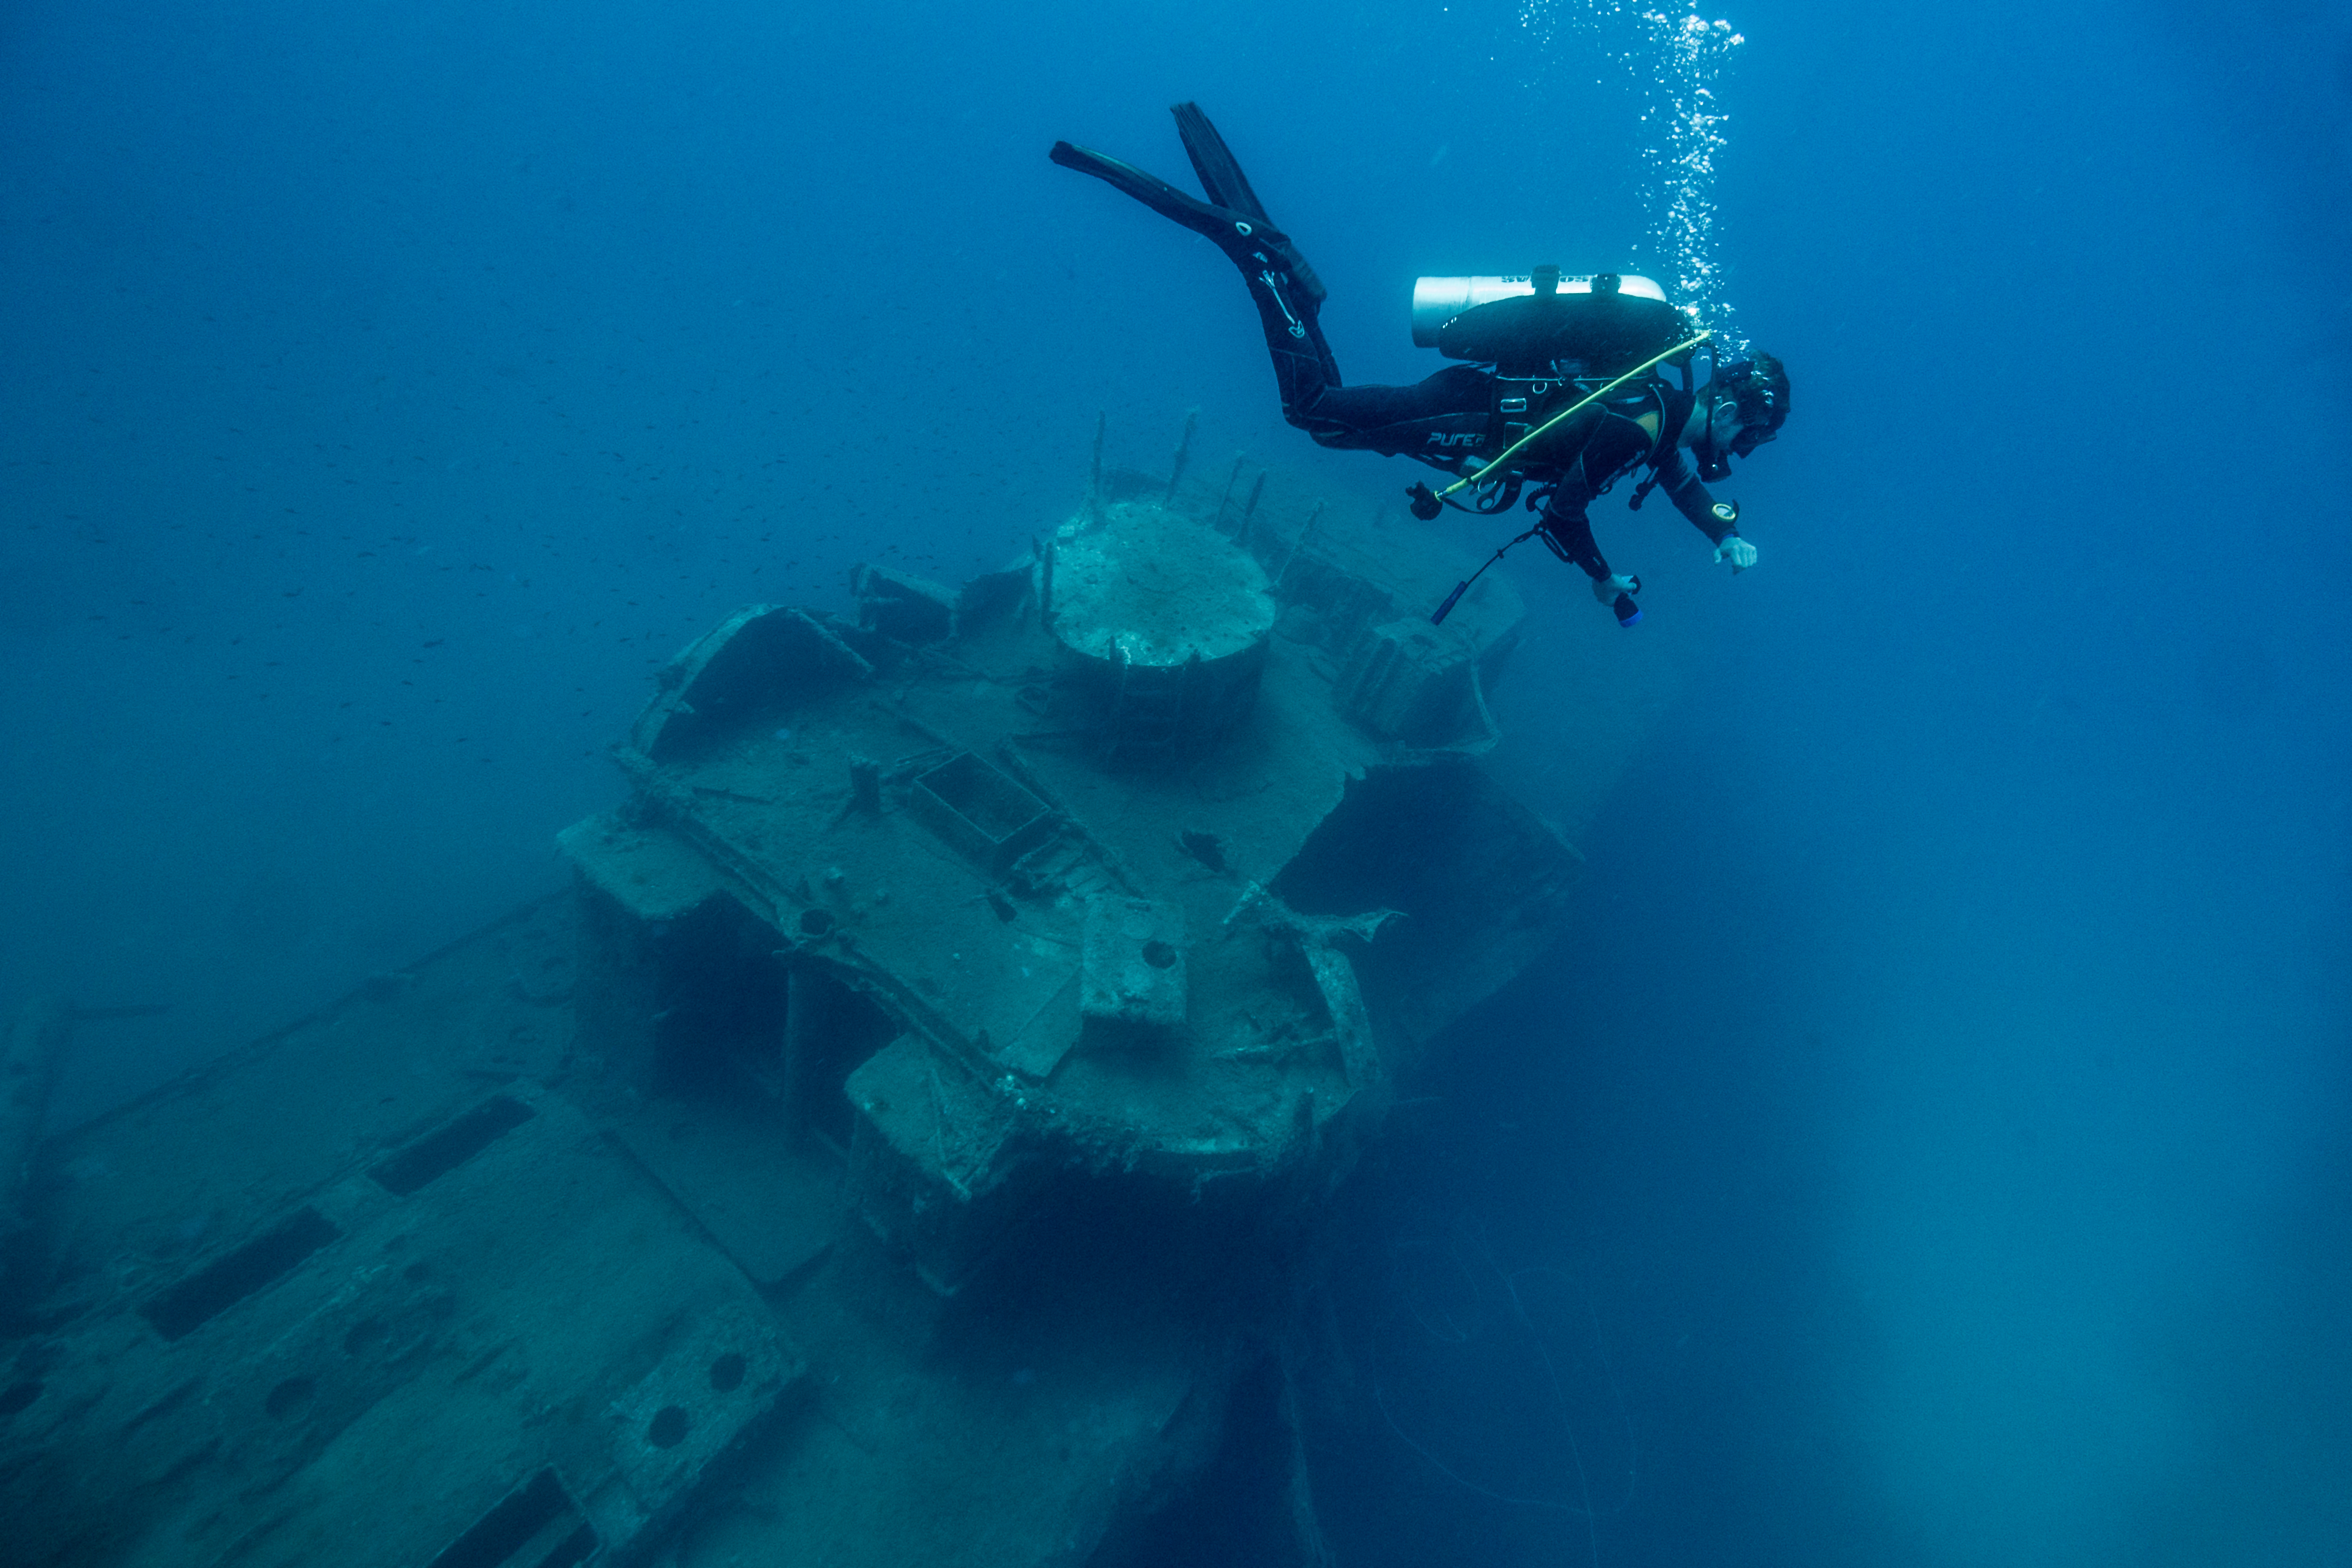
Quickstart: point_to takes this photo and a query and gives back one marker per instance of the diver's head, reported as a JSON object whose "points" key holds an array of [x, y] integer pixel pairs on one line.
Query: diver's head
{"points": [[1747, 401]]}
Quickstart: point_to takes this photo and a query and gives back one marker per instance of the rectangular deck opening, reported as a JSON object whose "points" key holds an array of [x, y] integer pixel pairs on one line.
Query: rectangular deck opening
{"points": [[450, 1144], [537, 1525], [223, 1282], [979, 811]]}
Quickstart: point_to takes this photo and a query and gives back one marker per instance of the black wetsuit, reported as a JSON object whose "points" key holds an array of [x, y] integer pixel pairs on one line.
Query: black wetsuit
{"points": [[1466, 410], [1462, 410]]}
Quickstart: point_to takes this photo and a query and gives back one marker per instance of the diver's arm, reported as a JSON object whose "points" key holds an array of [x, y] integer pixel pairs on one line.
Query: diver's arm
{"points": [[1568, 530], [1719, 521], [1691, 498]]}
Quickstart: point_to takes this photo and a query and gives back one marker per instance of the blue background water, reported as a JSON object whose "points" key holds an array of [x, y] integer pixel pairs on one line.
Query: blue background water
{"points": [[1939, 1110]]}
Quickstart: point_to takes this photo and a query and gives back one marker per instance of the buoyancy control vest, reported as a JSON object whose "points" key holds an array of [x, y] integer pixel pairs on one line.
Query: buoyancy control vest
{"points": [[1552, 340]]}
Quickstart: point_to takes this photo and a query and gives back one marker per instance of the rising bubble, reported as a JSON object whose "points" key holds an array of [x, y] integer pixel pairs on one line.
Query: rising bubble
{"points": [[1671, 64]]}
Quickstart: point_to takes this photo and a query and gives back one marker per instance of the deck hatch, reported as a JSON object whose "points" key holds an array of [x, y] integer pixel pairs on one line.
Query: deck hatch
{"points": [[221, 1284], [537, 1525], [451, 1144], [979, 811]]}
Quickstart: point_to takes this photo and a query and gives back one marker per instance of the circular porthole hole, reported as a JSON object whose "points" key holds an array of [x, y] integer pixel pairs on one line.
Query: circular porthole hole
{"points": [[816, 922], [291, 1397], [727, 1373], [365, 1336], [1159, 954], [16, 1395], [668, 1428]]}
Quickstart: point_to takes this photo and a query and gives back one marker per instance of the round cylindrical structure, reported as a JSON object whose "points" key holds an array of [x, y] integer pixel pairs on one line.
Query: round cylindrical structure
{"points": [[1163, 623], [1437, 300]]}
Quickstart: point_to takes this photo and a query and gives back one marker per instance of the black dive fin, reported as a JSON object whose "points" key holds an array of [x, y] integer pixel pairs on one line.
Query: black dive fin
{"points": [[1238, 236], [1221, 175], [1154, 193]]}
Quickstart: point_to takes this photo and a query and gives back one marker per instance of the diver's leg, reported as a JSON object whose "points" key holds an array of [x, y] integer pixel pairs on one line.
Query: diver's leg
{"points": [[1237, 234], [1303, 371], [1221, 175], [1303, 366], [1434, 419]]}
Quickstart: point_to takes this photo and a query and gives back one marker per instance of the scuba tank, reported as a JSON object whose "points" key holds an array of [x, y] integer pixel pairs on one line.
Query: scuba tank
{"points": [[1605, 323]]}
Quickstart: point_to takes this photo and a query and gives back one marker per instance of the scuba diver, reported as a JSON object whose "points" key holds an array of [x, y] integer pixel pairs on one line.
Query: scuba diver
{"points": [[1546, 400]]}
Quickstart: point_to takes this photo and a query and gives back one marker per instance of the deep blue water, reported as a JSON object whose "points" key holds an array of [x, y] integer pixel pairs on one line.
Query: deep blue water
{"points": [[1931, 1145]]}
